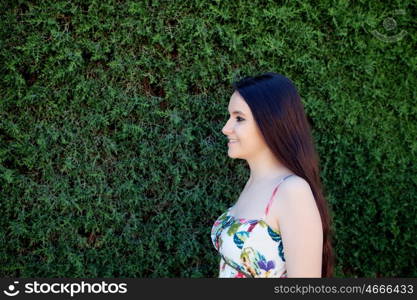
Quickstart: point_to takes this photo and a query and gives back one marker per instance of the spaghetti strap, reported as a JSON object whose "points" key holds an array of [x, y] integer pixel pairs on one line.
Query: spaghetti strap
{"points": [[273, 194]]}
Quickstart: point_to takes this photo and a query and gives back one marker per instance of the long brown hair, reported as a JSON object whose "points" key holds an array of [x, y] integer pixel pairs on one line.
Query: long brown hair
{"points": [[279, 114]]}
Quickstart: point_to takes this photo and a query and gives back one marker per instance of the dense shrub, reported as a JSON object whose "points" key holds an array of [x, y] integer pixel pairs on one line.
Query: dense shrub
{"points": [[112, 160]]}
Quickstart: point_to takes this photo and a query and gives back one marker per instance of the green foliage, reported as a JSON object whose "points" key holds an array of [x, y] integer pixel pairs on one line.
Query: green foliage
{"points": [[112, 160]]}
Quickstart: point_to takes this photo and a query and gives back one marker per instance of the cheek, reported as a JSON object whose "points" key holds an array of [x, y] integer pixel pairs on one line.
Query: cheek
{"points": [[240, 132], [246, 134], [255, 138]]}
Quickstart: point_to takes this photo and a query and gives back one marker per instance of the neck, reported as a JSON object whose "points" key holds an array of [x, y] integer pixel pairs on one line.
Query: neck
{"points": [[265, 168]]}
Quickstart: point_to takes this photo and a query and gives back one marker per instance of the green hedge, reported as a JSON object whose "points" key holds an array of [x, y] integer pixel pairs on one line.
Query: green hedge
{"points": [[112, 160]]}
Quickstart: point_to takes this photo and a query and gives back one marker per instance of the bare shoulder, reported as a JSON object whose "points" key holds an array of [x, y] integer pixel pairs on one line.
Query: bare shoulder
{"points": [[294, 184], [301, 228], [293, 193], [295, 190]]}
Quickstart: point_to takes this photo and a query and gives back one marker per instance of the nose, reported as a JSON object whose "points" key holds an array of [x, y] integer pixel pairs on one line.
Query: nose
{"points": [[226, 130]]}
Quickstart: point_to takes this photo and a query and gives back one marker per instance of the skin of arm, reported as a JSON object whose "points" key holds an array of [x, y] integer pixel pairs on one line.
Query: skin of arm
{"points": [[301, 228]]}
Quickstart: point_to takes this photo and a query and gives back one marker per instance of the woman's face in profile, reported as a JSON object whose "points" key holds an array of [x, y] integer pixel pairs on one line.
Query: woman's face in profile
{"points": [[245, 138]]}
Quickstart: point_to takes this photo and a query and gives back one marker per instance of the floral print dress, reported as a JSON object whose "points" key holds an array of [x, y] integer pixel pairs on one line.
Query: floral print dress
{"points": [[248, 248]]}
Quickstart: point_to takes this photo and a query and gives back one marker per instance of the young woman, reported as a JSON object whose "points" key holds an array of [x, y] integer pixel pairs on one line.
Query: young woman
{"points": [[280, 224]]}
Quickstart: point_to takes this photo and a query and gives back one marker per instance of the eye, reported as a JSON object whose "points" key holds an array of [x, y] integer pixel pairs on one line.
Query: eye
{"points": [[239, 119]]}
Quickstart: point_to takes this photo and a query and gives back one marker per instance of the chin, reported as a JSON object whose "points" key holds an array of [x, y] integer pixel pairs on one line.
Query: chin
{"points": [[232, 155]]}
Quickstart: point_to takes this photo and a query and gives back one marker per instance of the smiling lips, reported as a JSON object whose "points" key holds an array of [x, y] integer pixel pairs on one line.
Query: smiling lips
{"points": [[232, 141]]}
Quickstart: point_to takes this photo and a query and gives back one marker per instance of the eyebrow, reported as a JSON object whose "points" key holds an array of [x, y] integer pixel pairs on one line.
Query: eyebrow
{"points": [[238, 112]]}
